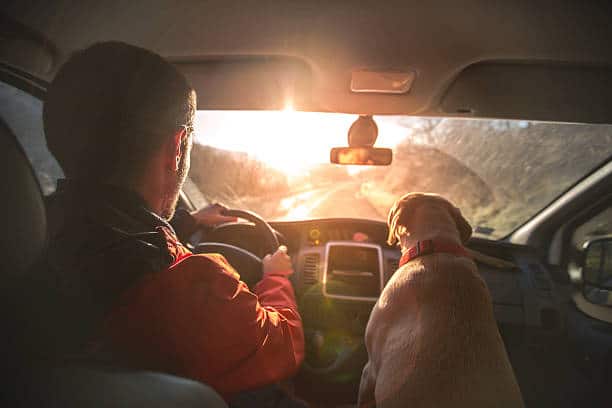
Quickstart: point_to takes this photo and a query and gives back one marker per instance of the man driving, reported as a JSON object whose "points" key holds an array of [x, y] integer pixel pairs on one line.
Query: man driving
{"points": [[119, 120]]}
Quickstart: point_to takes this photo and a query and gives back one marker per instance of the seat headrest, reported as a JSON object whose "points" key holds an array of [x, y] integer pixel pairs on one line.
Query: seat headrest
{"points": [[22, 210]]}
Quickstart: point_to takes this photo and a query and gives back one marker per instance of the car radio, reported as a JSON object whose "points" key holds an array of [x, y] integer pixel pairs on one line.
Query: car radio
{"points": [[353, 271]]}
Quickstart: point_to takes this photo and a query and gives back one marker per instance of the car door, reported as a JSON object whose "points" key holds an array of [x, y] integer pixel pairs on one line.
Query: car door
{"points": [[588, 245], [559, 235]]}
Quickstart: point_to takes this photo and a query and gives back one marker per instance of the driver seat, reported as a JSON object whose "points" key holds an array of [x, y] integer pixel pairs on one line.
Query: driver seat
{"points": [[28, 381]]}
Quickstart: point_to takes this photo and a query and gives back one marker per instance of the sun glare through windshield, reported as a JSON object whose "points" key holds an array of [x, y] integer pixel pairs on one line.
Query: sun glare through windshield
{"points": [[499, 172]]}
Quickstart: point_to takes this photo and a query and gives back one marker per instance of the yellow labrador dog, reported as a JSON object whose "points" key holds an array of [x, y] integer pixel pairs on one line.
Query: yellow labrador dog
{"points": [[432, 339]]}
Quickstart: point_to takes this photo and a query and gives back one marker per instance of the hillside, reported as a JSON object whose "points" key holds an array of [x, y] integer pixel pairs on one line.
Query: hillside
{"points": [[233, 177], [427, 169], [526, 165]]}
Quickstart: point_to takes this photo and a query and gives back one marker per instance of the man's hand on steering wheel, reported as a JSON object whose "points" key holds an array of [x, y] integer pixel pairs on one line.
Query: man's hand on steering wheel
{"points": [[212, 215], [278, 264]]}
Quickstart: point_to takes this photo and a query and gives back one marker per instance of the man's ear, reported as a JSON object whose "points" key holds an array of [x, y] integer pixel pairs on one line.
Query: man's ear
{"points": [[177, 148]]}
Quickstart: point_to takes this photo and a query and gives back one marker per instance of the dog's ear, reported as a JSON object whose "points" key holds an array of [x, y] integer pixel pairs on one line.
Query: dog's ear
{"points": [[464, 227], [399, 214], [392, 220]]}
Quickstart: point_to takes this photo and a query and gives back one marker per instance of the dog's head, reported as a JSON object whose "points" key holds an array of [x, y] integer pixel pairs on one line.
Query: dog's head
{"points": [[404, 208]]}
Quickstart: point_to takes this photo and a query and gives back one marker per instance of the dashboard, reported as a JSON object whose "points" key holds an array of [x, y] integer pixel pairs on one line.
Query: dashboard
{"points": [[343, 250], [335, 247]]}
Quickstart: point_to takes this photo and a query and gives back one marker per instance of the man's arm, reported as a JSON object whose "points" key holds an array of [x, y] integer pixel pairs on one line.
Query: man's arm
{"points": [[200, 321], [270, 324]]}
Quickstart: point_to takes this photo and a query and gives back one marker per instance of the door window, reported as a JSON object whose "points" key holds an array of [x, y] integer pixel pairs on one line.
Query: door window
{"points": [[598, 257], [597, 227], [22, 113]]}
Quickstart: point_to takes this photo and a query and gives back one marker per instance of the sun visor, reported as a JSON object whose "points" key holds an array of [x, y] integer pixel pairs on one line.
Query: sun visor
{"points": [[249, 83], [546, 91]]}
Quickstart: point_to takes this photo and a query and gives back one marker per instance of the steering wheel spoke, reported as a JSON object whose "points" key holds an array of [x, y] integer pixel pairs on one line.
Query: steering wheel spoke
{"points": [[247, 264]]}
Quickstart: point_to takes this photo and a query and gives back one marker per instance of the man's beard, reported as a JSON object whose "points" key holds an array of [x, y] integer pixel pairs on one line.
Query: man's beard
{"points": [[174, 185]]}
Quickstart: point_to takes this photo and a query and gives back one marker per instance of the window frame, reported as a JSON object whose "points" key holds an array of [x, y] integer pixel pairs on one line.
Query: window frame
{"points": [[23, 81]]}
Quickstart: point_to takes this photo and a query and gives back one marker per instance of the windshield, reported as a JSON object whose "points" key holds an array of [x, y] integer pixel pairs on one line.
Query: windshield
{"points": [[499, 172]]}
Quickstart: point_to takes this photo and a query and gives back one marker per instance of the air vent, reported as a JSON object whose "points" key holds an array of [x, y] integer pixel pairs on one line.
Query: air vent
{"points": [[310, 272]]}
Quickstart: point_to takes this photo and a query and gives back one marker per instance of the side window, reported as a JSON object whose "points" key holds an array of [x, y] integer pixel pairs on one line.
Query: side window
{"points": [[597, 227], [22, 113], [595, 274]]}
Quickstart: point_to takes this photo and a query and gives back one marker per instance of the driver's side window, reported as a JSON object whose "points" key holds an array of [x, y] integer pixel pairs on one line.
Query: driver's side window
{"points": [[22, 113]]}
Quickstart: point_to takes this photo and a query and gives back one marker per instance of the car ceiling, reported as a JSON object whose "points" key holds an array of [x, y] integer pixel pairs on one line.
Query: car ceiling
{"points": [[541, 60]]}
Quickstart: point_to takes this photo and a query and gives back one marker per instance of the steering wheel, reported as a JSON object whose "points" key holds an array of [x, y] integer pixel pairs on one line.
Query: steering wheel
{"points": [[270, 240], [245, 262]]}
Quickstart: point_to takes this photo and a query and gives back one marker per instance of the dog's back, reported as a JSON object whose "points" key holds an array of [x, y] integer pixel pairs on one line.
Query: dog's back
{"points": [[433, 341]]}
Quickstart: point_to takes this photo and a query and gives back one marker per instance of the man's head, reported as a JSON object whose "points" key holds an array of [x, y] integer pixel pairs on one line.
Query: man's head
{"points": [[113, 111]]}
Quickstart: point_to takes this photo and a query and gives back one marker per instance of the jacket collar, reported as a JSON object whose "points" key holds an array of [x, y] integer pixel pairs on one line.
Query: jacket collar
{"points": [[107, 199]]}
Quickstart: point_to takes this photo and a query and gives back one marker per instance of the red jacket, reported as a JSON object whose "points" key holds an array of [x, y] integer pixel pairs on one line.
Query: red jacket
{"points": [[198, 320]]}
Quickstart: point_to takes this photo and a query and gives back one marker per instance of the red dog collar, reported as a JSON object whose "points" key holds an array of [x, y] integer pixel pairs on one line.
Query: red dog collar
{"points": [[430, 246]]}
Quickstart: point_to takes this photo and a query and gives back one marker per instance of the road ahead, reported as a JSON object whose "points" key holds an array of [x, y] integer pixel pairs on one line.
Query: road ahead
{"points": [[344, 200]]}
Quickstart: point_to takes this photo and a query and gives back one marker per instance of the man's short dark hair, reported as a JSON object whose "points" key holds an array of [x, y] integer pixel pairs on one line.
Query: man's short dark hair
{"points": [[110, 107]]}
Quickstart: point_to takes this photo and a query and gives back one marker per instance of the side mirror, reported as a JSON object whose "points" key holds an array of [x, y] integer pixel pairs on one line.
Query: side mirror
{"points": [[368, 156], [597, 271]]}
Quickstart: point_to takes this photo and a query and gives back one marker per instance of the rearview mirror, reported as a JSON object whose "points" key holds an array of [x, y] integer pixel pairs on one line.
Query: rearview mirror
{"points": [[597, 271], [366, 156]]}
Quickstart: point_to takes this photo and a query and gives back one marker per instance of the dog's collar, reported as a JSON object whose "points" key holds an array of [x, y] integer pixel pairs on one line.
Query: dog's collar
{"points": [[431, 246]]}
